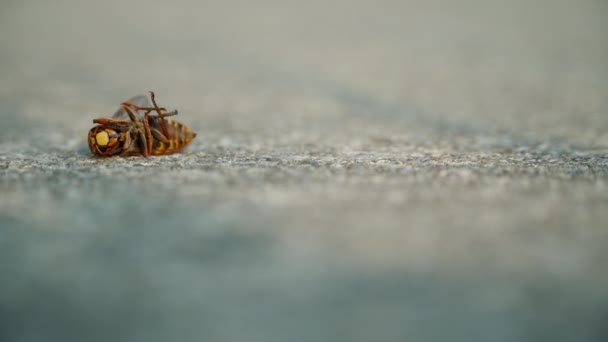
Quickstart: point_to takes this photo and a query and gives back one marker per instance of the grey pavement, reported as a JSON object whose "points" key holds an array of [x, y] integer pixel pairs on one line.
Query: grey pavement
{"points": [[363, 171]]}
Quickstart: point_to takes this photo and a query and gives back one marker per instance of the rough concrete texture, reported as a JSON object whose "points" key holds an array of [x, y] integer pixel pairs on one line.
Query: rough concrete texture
{"points": [[364, 171]]}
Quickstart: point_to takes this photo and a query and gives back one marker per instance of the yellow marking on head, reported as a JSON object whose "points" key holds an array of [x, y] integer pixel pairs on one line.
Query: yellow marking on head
{"points": [[102, 138]]}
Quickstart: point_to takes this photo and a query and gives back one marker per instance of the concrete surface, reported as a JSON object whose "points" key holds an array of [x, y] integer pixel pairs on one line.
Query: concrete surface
{"points": [[364, 171]]}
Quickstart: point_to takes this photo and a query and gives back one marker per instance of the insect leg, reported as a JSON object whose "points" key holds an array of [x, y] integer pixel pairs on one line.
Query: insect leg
{"points": [[137, 108], [158, 135], [144, 142], [148, 135], [132, 113], [108, 121], [163, 125], [127, 143], [171, 113]]}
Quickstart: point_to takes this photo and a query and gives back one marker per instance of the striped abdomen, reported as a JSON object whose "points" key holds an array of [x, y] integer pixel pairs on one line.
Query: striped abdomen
{"points": [[180, 135]]}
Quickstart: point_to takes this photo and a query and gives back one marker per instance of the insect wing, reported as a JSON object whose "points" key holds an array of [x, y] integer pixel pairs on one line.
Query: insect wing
{"points": [[139, 100]]}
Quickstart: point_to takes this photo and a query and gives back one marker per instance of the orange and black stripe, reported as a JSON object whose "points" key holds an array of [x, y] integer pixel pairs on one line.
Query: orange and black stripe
{"points": [[180, 135]]}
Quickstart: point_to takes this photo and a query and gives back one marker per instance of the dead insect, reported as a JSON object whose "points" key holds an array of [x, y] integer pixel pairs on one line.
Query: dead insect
{"points": [[133, 130]]}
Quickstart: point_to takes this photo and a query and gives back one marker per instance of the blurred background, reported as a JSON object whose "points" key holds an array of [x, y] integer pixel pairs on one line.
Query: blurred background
{"points": [[364, 170]]}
